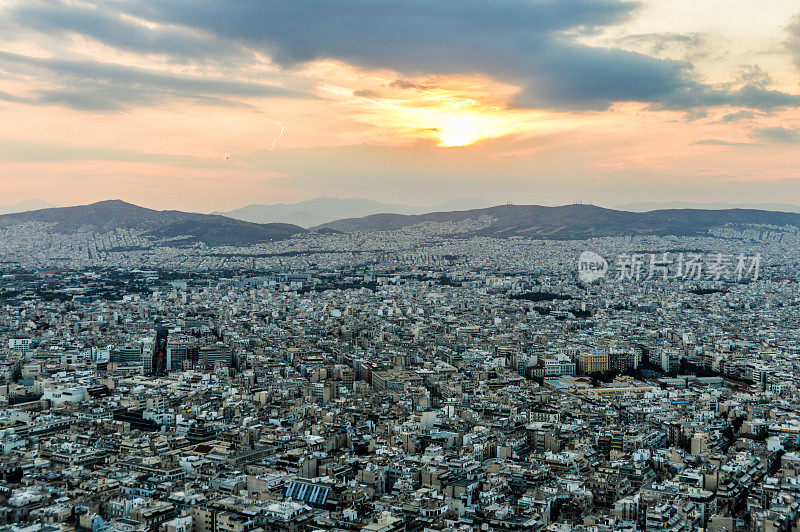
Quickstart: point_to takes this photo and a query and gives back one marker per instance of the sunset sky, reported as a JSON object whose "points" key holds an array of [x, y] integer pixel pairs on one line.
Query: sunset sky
{"points": [[212, 105]]}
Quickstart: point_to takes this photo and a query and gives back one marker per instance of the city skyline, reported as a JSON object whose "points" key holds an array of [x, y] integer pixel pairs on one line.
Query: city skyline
{"points": [[203, 108]]}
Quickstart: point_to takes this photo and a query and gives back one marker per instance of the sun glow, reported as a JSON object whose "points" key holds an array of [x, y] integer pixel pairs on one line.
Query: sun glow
{"points": [[449, 121], [451, 111], [454, 121]]}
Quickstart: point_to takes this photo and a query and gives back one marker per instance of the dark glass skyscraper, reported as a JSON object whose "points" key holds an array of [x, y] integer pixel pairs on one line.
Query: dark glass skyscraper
{"points": [[160, 352]]}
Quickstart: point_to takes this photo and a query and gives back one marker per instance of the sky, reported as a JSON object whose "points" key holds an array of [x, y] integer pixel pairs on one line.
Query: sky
{"points": [[212, 105]]}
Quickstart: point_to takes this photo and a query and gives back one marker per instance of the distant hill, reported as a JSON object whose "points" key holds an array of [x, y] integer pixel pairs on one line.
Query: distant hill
{"points": [[644, 206], [575, 221], [110, 215], [23, 206], [322, 210]]}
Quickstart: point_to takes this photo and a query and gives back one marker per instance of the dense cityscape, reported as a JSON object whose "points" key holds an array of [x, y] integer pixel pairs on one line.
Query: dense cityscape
{"points": [[401, 380]]}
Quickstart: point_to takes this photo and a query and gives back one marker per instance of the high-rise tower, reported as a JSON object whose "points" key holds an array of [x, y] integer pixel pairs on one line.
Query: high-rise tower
{"points": [[160, 352]]}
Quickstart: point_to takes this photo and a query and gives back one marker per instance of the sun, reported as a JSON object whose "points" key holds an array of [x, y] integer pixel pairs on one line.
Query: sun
{"points": [[458, 130]]}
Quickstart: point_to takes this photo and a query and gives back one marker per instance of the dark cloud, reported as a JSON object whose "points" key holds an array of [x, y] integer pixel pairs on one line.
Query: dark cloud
{"points": [[793, 44], [525, 42], [689, 46], [366, 93], [90, 85], [514, 40], [753, 75], [583, 78], [102, 23], [8, 97], [781, 135], [751, 96], [405, 34], [738, 116], [404, 84]]}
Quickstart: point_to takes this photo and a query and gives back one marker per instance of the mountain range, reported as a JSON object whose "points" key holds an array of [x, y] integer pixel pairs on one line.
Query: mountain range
{"points": [[575, 221], [536, 221], [318, 211], [110, 215]]}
